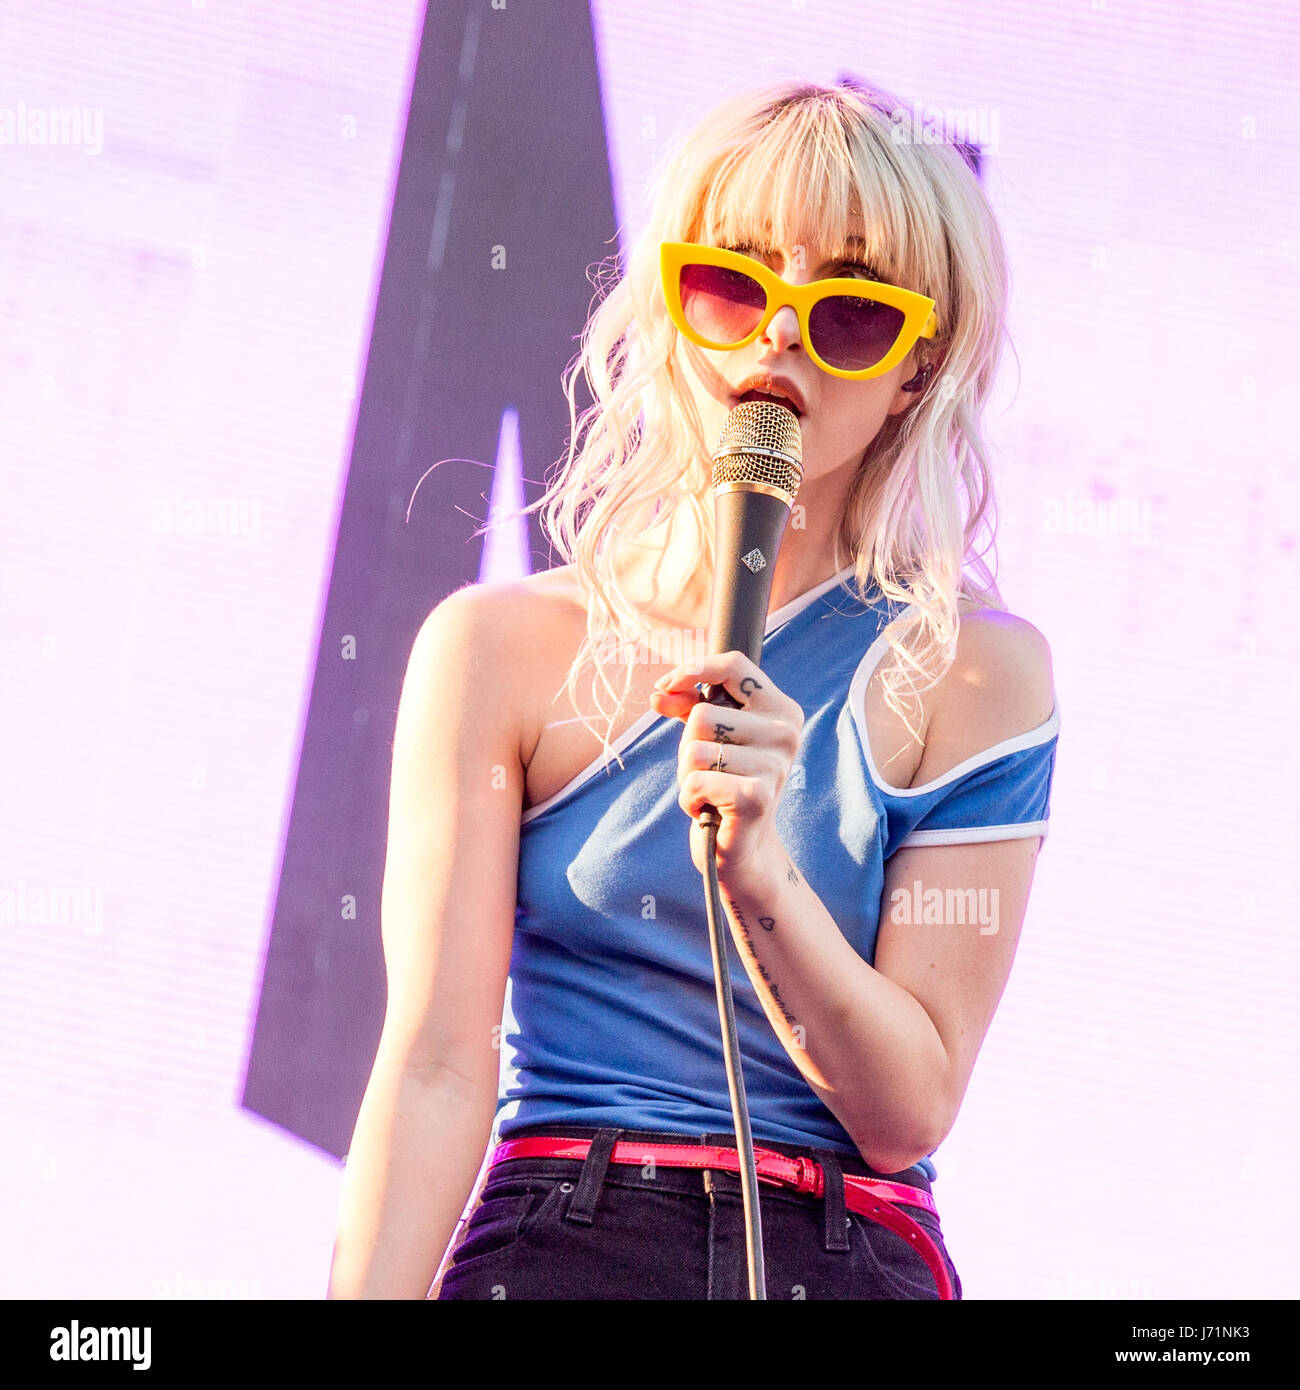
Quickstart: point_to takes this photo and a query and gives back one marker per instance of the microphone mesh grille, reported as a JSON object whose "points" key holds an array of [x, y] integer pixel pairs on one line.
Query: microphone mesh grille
{"points": [[754, 432], [755, 468]]}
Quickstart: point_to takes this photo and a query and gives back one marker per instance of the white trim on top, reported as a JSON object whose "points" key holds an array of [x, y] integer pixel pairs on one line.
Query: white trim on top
{"points": [[788, 610], [975, 835], [634, 730], [858, 709]]}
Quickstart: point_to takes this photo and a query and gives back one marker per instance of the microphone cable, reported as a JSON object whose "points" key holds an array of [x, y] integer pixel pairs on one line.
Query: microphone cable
{"points": [[709, 821]]}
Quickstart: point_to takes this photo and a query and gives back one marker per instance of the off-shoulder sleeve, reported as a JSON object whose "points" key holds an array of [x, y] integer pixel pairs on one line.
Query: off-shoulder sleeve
{"points": [[1001, 793]]}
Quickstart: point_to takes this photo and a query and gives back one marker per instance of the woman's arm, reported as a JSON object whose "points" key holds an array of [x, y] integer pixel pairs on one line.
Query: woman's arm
{"points": [[449, 893], [889, 1048]]}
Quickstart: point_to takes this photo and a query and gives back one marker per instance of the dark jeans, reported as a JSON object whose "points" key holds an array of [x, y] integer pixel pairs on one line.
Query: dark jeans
{"points": [[549, 1228]]}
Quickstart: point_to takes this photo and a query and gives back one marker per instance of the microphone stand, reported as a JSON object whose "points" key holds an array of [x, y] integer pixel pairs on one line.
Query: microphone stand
{"points": [[757, 469]]}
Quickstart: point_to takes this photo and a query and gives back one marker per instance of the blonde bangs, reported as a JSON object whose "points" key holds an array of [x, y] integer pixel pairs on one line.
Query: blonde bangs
{"points": [[821, 178]]}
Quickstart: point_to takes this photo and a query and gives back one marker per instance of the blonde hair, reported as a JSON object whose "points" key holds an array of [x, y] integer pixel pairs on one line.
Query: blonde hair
{"points": [[823, 163]]}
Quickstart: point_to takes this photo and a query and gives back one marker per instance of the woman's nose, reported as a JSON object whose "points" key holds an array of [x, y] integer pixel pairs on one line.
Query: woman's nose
{"points": [[783, 330]]}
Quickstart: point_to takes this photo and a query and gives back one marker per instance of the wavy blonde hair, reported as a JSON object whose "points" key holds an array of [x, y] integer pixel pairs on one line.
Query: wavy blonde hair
{"points": [[822, 163]]}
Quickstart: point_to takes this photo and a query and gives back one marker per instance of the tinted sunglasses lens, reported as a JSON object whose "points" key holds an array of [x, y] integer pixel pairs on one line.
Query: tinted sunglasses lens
{"points": [[852, 333], [721, 305]]}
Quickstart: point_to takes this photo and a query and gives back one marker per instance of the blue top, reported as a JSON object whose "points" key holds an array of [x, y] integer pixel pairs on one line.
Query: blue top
{"points": [[612, 994]]}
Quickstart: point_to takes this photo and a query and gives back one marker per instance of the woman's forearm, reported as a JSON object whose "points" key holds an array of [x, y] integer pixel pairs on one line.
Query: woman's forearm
{"points": [[416, 1150], [864, 1044]]}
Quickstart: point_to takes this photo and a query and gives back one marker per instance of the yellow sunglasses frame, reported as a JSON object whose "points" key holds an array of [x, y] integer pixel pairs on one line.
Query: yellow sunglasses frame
{"points": [[919, 319]]}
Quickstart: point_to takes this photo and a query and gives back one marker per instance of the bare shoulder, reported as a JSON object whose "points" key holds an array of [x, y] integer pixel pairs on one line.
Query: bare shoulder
{"points": [[1000, 685], [506, 617], [1006, 661], [511, 605], [509, 638]]}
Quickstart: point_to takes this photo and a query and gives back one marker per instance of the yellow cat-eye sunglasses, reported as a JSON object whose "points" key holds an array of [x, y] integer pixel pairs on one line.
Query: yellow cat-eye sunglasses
{"points": [[851, 328]]}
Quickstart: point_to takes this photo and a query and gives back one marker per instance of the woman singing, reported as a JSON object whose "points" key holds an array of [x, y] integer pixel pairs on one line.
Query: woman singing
{"points": [[883, 786]]}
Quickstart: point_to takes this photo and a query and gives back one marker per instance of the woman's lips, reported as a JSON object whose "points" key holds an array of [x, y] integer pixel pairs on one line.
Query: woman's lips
{"points": [[769, 396]]}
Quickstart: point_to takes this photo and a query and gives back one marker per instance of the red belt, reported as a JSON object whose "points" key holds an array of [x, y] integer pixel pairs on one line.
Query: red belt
{"points": [[869, 1197]]}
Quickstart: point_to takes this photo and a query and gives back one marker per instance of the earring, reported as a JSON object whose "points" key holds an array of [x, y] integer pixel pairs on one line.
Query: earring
{"points": [[920, 380]]}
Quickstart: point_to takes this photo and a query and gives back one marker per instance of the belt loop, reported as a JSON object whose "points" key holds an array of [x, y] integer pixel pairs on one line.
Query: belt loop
{"points": [[835, 1212], [582, 1205]]}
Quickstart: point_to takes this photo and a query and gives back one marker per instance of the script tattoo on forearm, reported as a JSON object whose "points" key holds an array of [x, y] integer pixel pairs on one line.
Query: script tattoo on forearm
{"points": [[791, 873], [767, 923]]}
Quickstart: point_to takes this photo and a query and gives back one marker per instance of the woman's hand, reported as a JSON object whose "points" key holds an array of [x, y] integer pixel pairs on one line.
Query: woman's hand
{"points": [[757, 743]]}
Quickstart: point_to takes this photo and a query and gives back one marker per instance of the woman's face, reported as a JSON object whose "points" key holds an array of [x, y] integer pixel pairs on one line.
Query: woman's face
{"points": [[839, 417]]}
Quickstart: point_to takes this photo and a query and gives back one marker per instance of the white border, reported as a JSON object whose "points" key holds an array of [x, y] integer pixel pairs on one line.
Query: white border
{"points": [[858, 709], [975, 835], [640, 725], [788, 610]]}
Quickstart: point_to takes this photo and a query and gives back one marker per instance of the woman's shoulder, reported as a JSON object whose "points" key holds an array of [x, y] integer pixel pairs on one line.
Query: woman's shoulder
{"points": [[999, 687], [528, 623], [506, 609], [505, 628], [1005, 658], [1000, 659], [508, 643]]}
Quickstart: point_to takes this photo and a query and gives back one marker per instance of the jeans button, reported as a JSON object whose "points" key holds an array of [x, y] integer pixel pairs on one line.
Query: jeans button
{"points": [[566, 1187]]}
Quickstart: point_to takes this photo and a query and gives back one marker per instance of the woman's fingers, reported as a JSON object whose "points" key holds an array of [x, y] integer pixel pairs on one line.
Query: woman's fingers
{"points": [[719, 724], [745, 796], [743, 680], [735, 758], [675, 705], [738, 759], [739, 676]]}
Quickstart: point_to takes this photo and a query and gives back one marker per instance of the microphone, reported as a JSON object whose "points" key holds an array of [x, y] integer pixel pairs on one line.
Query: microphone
{"points": [[757, 469]]}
